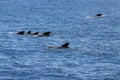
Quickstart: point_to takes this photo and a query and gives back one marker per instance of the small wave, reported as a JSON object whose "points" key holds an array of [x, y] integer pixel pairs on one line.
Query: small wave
{"points": [[11, 32], [108, 79], [67, 76]]}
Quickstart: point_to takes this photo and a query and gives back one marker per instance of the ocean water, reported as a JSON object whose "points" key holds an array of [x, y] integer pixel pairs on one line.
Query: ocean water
{"points": [[94, 52]]}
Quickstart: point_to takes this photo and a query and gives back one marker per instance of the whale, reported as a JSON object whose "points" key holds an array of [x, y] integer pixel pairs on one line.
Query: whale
{"points": [[63, 46], [45, 34], [35, 34], [98, 15], [29, 32], [21, 32]]}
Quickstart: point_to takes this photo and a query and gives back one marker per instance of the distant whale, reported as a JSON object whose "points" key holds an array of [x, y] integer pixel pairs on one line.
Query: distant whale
{"points": [[63, 46], [45, 34], [98, 15], [29, 32], [36, 33], [21, 33]]}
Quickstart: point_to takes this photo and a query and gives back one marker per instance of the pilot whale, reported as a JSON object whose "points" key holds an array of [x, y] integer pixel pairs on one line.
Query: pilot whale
{"points": [[99, 15], [35, 34], [63, 46], [29, 32], [45, 34], [21, 32]]}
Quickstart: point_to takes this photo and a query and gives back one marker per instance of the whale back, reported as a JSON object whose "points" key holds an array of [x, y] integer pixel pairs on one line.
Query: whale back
{"points": [[21, 32], [36, 33], [99, 14], [46, 34], [29, 32], [66, 45]]}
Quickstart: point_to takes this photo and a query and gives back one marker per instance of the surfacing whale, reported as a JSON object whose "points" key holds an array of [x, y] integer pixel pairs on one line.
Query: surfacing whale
{"points": [[36, 33], [29, 32], [63, 46], [98, 15], [45, 34], [21, 32]]}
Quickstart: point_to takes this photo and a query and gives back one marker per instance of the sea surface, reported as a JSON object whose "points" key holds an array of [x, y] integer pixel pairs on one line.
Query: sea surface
{"points": [[94, 52]]}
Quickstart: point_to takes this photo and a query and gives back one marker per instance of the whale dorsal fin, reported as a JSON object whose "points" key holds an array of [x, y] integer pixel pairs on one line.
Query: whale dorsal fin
{"points": [[29, 32], [65, 45], [36, 33], [21, 32]]}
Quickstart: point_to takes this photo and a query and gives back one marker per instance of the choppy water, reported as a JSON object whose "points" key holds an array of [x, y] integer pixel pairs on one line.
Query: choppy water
{"points": [[94, 52]]}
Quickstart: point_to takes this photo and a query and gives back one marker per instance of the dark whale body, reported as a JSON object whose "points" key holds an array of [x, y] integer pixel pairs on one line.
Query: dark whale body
{"points": [[65, 45], [29, 32], [45, 34], [36, 33], [21, 33], [98, 15]]}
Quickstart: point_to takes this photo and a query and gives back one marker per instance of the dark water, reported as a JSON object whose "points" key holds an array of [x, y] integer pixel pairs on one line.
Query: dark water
{"points": [[94, 52]]}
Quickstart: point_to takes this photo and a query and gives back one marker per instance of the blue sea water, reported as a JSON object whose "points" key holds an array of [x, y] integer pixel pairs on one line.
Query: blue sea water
{"points": [[94, 52]]}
